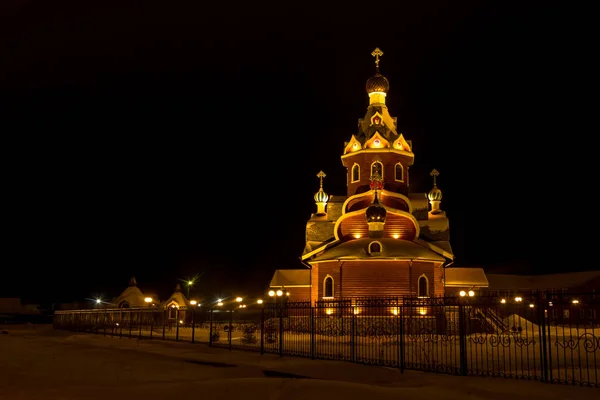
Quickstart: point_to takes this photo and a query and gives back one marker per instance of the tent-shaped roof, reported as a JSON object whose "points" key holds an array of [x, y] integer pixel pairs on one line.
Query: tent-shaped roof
{"points": [[465, 277], [291, 278]]}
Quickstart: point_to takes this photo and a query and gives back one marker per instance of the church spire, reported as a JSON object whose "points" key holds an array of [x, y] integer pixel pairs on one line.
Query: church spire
{"points": [[435, 194], [321, 198], [377, 85]]}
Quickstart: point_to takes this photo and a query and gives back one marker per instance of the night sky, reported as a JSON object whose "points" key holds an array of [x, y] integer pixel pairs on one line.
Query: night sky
{"points": [[165, 141]]}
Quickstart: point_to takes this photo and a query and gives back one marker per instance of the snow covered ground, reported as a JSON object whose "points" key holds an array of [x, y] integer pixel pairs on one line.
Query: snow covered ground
{"points": [[37, 362]]}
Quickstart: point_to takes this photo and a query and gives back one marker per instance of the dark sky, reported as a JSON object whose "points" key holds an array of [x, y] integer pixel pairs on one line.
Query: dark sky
{"points": [[165, 141]]}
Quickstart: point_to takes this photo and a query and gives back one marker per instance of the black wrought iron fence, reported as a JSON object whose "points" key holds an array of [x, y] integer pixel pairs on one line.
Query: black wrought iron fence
{"points": [[548, 337]]}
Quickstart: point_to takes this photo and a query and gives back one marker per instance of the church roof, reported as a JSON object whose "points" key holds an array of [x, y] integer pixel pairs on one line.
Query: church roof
{"points": [[291, 277], [468, 277], [390, 249]]}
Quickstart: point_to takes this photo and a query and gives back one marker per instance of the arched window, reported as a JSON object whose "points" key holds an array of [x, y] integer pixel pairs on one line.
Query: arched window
{"points": [[124, 304], [399, 173], [355, 173], [377, 167], [374, 247], [328, 286], [423, 286], [172, 310]]}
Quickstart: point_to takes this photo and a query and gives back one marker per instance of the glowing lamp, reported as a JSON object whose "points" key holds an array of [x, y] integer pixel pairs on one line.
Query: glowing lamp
{"points": [[148, 299], [193, 302], [462, 293]]}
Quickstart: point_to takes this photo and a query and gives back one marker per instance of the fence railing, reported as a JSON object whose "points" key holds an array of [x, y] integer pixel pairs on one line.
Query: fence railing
{"points": [[547, 337]]}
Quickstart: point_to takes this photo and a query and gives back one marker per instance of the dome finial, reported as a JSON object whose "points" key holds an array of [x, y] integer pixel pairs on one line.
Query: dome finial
{"points": [[434, 173], [377, 53], [321, 198], [435, 194], [321, 175]]}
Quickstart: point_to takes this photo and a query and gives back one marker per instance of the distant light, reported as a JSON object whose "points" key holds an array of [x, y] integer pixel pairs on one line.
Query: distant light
{"points": [[271, 293], [238, 299], [259, 301], [190, 283], [531, 305], [471, 293], [98, 301], [462, 293], [280, 292], [193, 302], [181, 321], [575, 301], [219, 304], [287, 293], [219, 300], [518, 299], [503, 301], [148, 299]]}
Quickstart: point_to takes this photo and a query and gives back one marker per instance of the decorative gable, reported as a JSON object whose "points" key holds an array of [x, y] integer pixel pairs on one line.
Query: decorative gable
{"points": [[377, 142]]}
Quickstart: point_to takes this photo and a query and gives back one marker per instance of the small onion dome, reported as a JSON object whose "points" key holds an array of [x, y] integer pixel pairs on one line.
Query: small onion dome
{"points": [[321, 196], [435, 194], [377, 83], [376, 213]]}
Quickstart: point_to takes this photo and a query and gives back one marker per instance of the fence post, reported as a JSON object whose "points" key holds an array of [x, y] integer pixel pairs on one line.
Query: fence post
{"points": [[151, 323], [164, 323], [262, 330], [230, 327], [193, 323], [281, 328], [177, 325], [462, 334], [312, 332], [140, 322], [130, 321], [541, 307], [401, 339], [210, 329], [105, 320], [352, 334]]}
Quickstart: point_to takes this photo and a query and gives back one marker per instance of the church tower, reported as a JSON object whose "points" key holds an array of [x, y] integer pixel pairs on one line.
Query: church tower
{"points": [[379, 239]]}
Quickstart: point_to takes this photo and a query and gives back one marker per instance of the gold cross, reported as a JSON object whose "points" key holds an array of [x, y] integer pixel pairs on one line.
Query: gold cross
{"points": [[377, 53], [434, 173], [321, 175]]}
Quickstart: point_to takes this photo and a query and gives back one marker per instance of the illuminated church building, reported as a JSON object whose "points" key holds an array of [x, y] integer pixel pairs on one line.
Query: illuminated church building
{"points": [[380, 239]]}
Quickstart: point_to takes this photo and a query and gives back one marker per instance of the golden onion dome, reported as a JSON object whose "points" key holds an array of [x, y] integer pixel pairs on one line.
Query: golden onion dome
{"points": [[377, 83], [321, 196], [435, 194]]}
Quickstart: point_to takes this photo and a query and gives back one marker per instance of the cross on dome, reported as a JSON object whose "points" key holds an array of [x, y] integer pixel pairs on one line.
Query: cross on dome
{"points": [[377, 53]]}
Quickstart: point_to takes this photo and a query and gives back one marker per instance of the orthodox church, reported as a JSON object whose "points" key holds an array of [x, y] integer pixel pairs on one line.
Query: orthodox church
{"points": [[380, 238]]}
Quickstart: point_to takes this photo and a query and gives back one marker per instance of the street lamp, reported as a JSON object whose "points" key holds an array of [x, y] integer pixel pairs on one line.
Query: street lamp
{"points": [[239, 299]]}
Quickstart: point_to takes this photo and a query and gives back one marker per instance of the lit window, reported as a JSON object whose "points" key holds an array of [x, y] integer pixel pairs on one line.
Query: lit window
{"points": [[355, 173], [399, 173], [423, 286], [377, 168], [328, 287]]}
